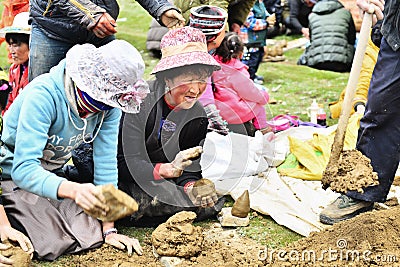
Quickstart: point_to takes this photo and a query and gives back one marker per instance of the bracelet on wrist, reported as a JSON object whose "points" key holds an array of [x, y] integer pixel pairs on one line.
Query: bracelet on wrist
{"points": [[110, 231]]}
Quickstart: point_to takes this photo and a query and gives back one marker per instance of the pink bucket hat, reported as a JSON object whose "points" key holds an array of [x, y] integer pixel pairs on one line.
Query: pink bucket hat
{"points": [[111, 74], [182, 47]]}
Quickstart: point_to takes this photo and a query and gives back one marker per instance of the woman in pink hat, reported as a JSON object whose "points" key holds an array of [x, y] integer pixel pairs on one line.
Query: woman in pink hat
{"points": [[159, 148]]}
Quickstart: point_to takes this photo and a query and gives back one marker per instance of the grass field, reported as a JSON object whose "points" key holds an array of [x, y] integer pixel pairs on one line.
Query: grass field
{"points": [[298, 86]]}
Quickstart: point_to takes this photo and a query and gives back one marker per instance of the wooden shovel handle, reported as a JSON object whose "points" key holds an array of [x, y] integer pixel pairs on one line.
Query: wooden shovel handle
{"points": [[338, 141]]}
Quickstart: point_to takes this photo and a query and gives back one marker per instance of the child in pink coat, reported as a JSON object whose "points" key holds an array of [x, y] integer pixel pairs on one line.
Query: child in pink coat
{"points": [[239, 100]]}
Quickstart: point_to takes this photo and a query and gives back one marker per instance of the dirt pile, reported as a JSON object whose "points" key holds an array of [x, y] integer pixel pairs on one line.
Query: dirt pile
{"points": [[221, 247], [177, 237], [353, 172], [370, 239], [15, 252]]}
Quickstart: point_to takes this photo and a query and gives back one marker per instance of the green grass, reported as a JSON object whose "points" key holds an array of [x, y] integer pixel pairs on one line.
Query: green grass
{"points": [[298, 86]]}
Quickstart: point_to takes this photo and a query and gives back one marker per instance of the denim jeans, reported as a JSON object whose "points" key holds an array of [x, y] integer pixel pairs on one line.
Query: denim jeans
{"points": [[252, 58], [46, 52], [379, 133]]}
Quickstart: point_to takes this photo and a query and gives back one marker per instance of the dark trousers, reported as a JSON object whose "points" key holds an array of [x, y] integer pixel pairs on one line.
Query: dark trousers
{"points": [[252, 58], [379, 133]]}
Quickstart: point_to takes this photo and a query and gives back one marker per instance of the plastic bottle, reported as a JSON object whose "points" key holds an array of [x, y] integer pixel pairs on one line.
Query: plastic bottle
{"points": [[321, 117], [312, 111]]}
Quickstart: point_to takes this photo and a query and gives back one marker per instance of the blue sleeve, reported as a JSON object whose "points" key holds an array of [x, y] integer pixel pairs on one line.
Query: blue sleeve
{"points": [[105, 150], [35, 120]]}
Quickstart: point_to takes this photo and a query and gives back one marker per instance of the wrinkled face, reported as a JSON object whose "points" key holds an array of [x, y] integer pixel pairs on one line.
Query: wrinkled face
{"points": [[185, 89], [19, 52]]}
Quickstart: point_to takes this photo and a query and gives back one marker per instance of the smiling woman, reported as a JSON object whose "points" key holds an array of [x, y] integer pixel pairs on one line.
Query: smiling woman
{"points": [[159, 148]]}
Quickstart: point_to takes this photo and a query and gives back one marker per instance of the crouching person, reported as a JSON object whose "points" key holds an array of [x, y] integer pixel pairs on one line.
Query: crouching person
{"points": [[159, 148], [72, 104]]}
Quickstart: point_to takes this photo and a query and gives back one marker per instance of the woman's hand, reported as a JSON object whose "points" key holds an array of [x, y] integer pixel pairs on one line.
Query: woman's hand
{"points": [[202, 193], [87, 196], [7, 232], [123, 241], [182, 160]]}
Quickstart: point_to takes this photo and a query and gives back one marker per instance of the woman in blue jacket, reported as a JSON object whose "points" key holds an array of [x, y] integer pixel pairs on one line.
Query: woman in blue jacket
{"points": [[72, 104]]}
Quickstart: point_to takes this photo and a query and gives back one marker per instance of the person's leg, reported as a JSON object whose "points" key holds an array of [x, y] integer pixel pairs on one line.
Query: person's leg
{"points": [[44, 52], [378, 138], [379, 133], [63, 224], [250, 59]]}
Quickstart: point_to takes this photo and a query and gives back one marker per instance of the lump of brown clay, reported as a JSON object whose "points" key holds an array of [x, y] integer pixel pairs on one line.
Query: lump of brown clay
{"points": [[241, 207], [120, 204], [15, 252], [203, 187], [177, 237]]}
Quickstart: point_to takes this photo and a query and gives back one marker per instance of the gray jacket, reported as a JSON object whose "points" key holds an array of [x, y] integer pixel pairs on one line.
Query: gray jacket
{"points": [[70, 20]]}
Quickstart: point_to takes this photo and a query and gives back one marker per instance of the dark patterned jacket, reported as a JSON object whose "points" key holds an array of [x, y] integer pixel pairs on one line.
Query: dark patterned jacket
{"points": [[142, 143], [70, 20]]}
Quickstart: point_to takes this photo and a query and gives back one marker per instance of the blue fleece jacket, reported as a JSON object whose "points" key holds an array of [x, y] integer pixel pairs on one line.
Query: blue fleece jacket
{"points": [[39, 136]]}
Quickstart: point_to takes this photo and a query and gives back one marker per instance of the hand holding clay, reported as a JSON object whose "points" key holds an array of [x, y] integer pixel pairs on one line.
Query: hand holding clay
{"points": [[118, 204], [184, 158], [90, 199], [203, 193]]}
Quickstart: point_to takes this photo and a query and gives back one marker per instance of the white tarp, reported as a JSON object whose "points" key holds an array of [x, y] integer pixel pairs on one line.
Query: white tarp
{"points": [[237, 162]]}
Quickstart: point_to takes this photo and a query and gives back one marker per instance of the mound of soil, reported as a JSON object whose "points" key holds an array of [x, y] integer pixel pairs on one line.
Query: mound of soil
{"points": [[15, 252], [353, 172], [370, 239], [177, 237], [221, 247]]}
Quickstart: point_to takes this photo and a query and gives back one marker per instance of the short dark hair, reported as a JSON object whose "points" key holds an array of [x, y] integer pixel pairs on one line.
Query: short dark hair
{"points": [[17, 38]]}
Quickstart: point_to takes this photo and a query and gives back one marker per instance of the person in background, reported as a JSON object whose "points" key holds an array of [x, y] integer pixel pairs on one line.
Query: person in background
{"points": [[298, 19], [237, 10], [254, 33], [211, 20], [240, 101], [17, 38], [275, 8], [78, 101], [59, 25], [332, 35], [159, 148]]}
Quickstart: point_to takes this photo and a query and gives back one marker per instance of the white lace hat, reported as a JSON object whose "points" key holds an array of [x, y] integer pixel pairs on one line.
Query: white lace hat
{"points": [[111, 74]]}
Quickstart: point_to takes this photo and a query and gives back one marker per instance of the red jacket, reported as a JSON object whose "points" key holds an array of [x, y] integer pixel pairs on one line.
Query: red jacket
{"points": [[18, 79]]}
